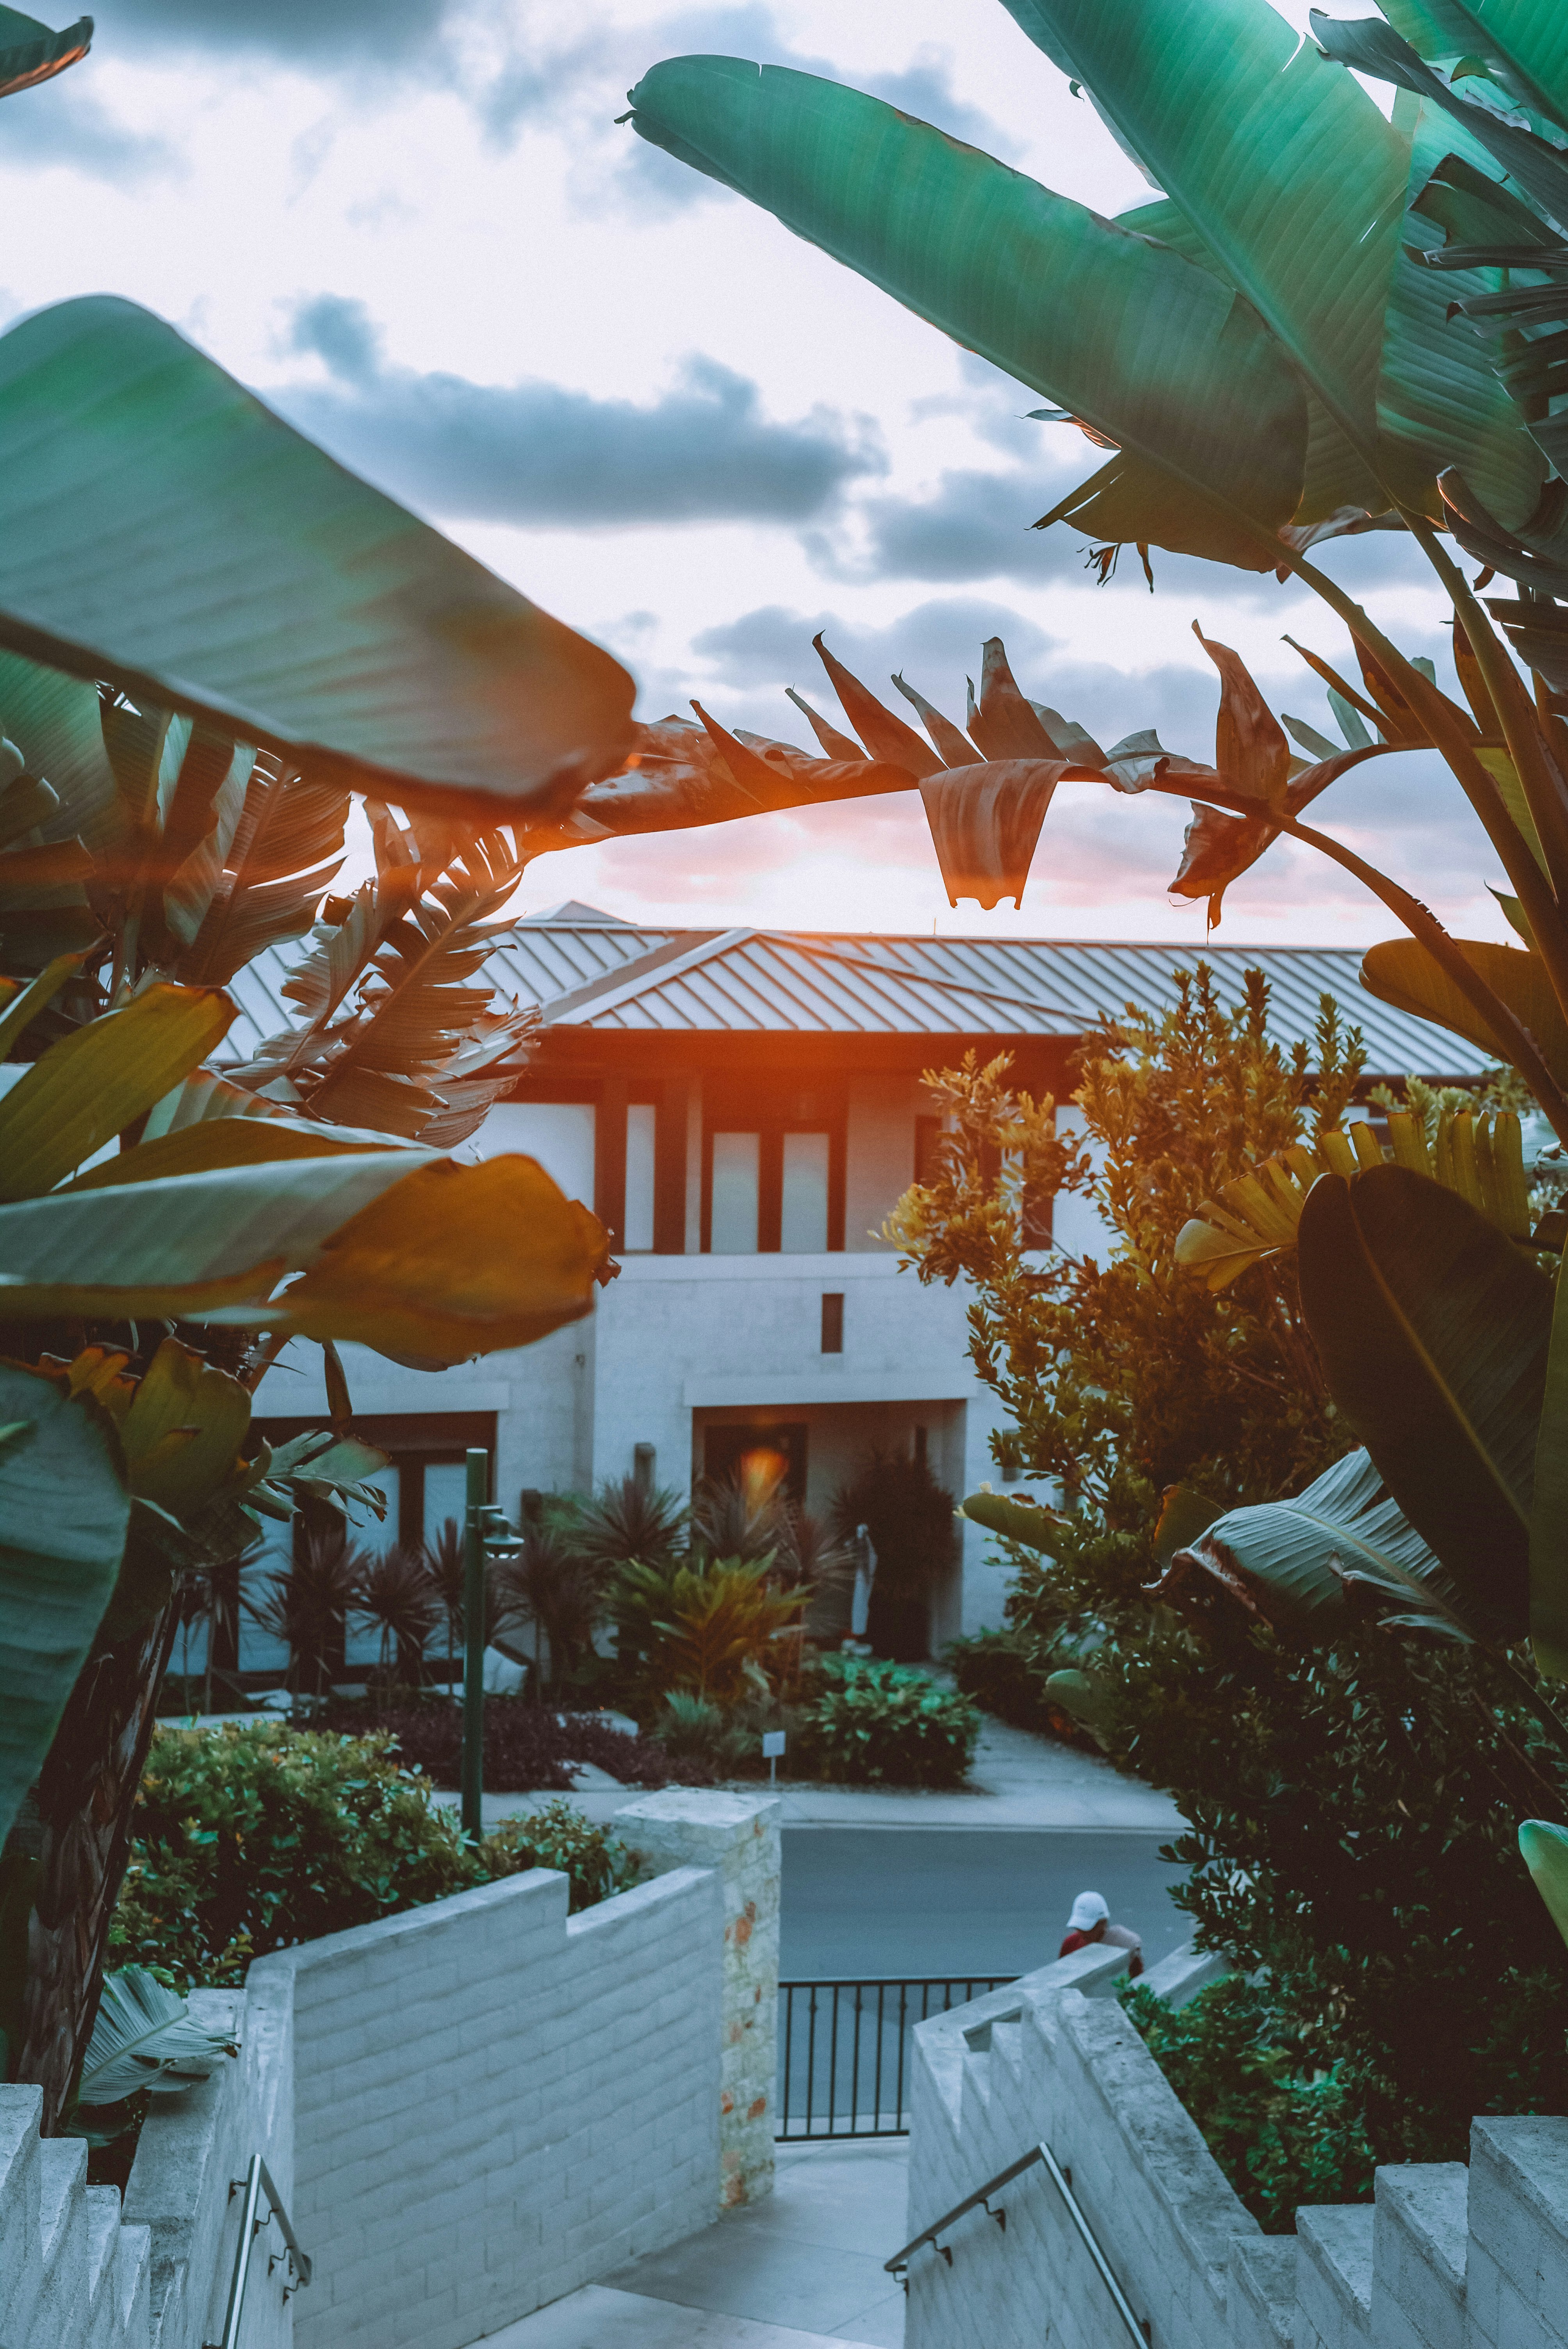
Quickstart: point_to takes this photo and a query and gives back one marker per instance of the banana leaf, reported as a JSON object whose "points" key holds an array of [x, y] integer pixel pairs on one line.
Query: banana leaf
{"points": [[30, 53], [88, 1087], [1401, 972], [1374, 48], [1432, 1330], [1015, 1520], [985, 823], [64, 1511], [394, 1249], [1544, 1850], [1519, 41], [1340, 1549], [163, 529], [1162, 360], [1286, 171], [145, 2036]]}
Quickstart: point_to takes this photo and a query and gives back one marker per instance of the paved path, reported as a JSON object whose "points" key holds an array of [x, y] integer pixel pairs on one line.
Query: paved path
{"points": [[801, 2270], [1019, 1783]]}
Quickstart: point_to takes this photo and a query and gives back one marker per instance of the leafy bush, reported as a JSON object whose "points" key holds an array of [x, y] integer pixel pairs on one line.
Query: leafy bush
{"points": [[999, 1673], [716, 1627], [251, 1838], [865, 1722], [700, 1736], [1351, 1809], [526, 1746], [557, 1835], [1284, 2131]]}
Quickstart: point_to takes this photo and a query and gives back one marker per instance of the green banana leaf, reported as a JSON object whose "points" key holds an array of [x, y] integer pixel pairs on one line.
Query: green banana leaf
{"points": [[1439, 399], [160, 528], [1432, 1330], [1285, 170], [1341, 1546], [30, 53], [1158, 355], [145, 2036], [1015, 1520], [1400, 971], [1521, 41], [1544, 1850], [394, 1249], [1374, 49], [63, 1510]]}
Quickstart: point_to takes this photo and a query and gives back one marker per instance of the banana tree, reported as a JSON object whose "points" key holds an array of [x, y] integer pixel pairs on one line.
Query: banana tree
{"points": [[1329, 322]]}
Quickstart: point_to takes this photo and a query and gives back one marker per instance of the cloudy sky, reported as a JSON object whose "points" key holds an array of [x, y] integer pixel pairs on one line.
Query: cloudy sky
{"points": [[415, 227]]}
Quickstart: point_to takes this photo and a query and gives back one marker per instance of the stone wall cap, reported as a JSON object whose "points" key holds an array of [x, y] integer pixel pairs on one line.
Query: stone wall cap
{"points": [[701, 1807]]}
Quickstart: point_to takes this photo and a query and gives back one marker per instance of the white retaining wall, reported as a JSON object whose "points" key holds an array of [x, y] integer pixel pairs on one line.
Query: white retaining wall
{"points": [[496, 2103], [1450, 2256], [469, 2108]]}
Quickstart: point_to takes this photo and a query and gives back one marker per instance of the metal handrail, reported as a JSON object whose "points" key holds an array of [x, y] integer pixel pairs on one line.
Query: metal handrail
{"points": [[256, 2181], [1138, 2329]]}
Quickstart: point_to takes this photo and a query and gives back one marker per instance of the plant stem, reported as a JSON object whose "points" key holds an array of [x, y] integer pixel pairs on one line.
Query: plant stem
{"points": [[1537, 770], [1424, 925]]}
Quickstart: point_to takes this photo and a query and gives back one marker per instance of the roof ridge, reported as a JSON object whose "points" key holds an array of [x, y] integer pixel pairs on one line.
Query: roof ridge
{"points": [[683, 952]]}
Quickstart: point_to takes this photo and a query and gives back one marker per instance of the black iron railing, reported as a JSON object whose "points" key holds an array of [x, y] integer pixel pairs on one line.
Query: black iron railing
{"points": [[843, 2051]]}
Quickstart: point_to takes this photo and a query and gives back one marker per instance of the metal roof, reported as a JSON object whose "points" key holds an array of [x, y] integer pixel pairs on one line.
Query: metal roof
{"points": [[592, 973]]}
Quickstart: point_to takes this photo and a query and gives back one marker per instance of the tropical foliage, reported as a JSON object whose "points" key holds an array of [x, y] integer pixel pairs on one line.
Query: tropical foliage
{"points": [[867, 1722], [1351, 1793], [250, 1838]]}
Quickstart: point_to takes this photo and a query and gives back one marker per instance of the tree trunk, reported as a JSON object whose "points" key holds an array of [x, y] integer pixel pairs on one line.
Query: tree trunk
{"points": [[86, 1792]]}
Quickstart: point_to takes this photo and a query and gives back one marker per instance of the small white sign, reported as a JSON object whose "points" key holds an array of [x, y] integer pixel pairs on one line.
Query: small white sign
{"points": [[772, 1744]]}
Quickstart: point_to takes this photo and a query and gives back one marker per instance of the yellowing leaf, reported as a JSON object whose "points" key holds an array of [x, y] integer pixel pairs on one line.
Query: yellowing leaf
{"points": [[454, 1262], [83, 1090]]}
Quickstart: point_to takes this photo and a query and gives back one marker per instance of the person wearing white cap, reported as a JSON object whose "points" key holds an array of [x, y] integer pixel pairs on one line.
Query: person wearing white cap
{"points": [[1090, 1921]]}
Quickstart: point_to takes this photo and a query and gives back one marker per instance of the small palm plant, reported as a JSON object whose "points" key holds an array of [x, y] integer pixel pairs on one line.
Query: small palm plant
{"points": [[398, 1595], [308, 1605], [550, 1584]]}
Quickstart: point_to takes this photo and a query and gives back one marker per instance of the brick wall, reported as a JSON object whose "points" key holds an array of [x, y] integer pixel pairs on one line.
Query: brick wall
{"points": [[469, 2110], [495, 2103], [1450, 2256]]}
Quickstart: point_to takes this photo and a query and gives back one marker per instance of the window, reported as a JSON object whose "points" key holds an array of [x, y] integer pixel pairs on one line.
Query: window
{"points": [[803, 1199], [833, 1323], [560, 1134], [639, 1213], [737, 1182]]}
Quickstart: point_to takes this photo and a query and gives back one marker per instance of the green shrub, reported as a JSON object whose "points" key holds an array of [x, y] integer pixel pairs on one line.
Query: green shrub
{"points": [[557, 1835], [1283, 2131], [251, 1838], [1005, 1675], [867, 1722]]}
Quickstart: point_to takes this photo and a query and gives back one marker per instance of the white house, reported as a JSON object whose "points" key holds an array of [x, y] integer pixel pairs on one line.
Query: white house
{"points": [[742, 1108]]}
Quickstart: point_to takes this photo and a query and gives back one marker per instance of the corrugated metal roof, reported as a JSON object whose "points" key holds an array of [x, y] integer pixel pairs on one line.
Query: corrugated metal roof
{"points": [[603, 976]]}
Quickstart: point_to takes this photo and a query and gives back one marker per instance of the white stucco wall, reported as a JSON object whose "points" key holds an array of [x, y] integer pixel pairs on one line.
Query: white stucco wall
{"points": [[674, 1338]]}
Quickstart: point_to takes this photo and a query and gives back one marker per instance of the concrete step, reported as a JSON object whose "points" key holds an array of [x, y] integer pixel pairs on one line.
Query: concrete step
{"points": [[599, 2318]]}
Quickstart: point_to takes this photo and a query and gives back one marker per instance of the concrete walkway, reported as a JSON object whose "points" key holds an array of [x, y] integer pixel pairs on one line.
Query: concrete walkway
{"points": [[1020, 1781], [801, 2270]]}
